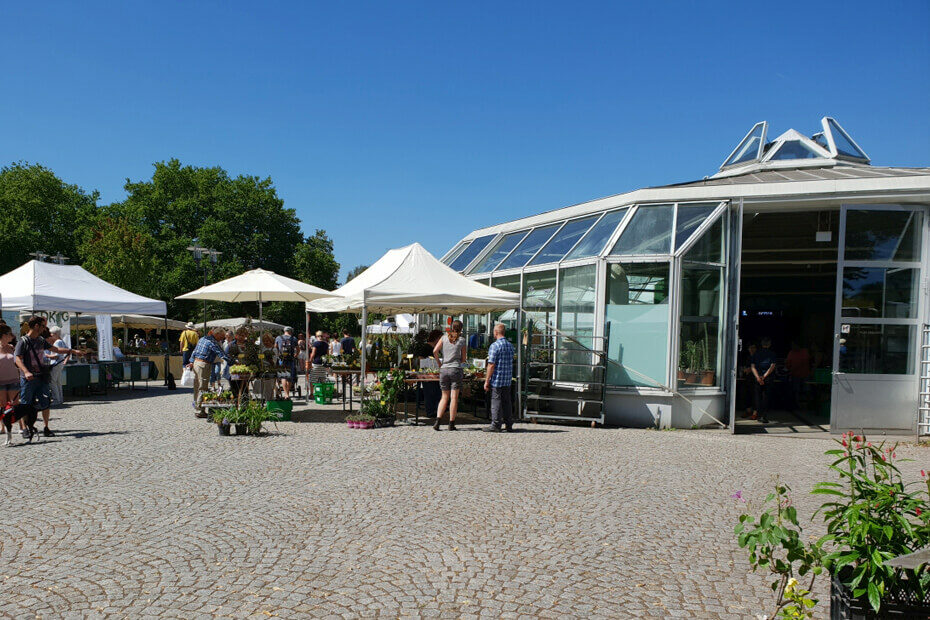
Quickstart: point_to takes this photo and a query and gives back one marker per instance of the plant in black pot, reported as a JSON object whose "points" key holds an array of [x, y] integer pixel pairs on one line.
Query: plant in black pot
{"points": [[874, 517], [221, 419]]}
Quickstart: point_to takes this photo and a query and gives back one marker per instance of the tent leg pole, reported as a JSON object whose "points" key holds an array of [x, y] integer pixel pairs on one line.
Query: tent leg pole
{"points": [[167, 351], [519, 363], [364, 348], [307, 353]]}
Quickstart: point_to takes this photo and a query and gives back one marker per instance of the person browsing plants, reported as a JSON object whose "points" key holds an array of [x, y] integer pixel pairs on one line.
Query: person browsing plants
{"points": [[286, 349], [499, 380], [452, 348], [202, 359]]}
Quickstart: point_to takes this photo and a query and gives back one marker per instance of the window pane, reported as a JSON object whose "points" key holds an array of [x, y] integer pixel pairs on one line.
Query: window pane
{"points": [[563, 241], [576, 319], [883, 235], [650, 232], [637, 315], [709, 248], [511, 284], [794, 149], [880, 293], [597, 237], [698, 362], [539, 297], [748, 149], [844, 144], [529, 246], [455, 253], [689, 218], [878, 349], [469, 254], [499, 251]]}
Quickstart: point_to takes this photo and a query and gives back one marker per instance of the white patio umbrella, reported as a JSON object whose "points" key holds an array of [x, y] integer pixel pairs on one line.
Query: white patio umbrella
{"points": [[258, 285]]}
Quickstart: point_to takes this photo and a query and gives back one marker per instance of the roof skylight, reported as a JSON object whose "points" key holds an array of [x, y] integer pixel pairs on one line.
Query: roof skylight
{"points": [[750, 148], [844, 146]]}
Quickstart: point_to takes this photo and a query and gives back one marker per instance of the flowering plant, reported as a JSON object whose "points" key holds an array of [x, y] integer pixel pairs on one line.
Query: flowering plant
{"points": [[875, 517], [774, 543]]}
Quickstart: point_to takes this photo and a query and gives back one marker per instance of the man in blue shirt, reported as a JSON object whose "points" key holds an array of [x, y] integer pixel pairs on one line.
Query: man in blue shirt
{"points": [[202, 359], [285, 346], [499, 381]]}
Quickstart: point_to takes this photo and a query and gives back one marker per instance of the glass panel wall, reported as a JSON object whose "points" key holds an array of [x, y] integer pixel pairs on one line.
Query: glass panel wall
{"points": [[593, 243], [563, 241], [529, 246], [690, 217], [883, 235], [501, 249], [469, 253], [637, 317], [699, 354], [880, 292], [876, 349], [455, 252], [577, 298], [511, 284], [650, 231], [539, 297]]}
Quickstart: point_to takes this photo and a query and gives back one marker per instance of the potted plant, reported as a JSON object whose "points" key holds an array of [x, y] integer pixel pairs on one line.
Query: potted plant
{"points": [[238, 420], [222, 422]]}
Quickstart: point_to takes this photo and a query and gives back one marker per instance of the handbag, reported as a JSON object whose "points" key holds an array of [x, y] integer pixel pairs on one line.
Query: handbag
{"points": [[187, 378]]}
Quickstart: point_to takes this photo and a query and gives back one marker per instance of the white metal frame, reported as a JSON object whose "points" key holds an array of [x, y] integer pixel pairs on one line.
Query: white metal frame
{"points": [[765, 127], [828, 133]]}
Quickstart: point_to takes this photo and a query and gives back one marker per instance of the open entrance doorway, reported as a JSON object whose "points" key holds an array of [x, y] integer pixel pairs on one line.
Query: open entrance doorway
{"points": [[786, 318]]}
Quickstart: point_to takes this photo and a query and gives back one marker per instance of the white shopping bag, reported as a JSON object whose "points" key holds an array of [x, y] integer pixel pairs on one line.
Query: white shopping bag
{"points": [[187, 378]]}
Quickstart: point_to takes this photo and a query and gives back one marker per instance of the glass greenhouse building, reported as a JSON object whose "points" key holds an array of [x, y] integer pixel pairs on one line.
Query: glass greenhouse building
{"points": [[795, 240]]}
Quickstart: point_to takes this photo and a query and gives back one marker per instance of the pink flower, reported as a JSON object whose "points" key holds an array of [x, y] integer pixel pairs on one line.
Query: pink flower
{"points": [[738, 495], [923, 473], [918, 511], [844, 442]]}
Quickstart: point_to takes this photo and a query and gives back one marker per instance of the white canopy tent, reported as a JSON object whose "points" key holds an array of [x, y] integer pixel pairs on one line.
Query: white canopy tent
{"points": [[131, 321], [238, 322], [51, 287], [402, 324], [410, 279]]}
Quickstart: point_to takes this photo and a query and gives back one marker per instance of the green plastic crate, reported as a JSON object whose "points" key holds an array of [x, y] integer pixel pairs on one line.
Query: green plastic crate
{"points": [[282, 408], [323, 393]]}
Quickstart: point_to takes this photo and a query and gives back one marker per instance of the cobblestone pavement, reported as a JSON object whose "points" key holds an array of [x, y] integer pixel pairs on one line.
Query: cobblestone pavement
{"points": [[138, 509]]}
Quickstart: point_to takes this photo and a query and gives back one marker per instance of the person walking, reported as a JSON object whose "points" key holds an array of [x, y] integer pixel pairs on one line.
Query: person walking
{"points": [[762, 366], [188, 341], [347, 342], [9, 374], [318, 352], [499, 381], [452, 348], [202, 360], [34, 371], [285, 347]]}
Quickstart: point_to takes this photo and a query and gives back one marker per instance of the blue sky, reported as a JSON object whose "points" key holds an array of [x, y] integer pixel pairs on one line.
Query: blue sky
{"points": [[391, 122]]}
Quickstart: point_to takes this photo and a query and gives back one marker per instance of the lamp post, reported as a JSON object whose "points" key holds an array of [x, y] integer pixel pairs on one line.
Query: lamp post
{"points": [[200, 253]]}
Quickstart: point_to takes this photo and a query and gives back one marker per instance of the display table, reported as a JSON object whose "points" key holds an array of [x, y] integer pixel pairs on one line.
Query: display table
{"points": [[345, 376]]}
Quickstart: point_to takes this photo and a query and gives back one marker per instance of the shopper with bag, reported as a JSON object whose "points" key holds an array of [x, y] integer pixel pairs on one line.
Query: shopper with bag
{"points": [[34, 371]]}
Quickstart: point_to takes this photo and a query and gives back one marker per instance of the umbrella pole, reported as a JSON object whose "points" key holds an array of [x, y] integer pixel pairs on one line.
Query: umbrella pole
{"points": [[167, 350], [307, 352], [364, 346]]}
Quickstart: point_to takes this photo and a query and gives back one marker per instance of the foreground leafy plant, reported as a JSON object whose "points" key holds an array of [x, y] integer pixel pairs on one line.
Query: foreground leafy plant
{"points": [[875, 518], [775, 544]]}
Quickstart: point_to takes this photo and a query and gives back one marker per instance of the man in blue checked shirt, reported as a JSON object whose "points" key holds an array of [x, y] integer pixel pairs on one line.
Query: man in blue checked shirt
{"points": [[499, 380], [202, 359]]}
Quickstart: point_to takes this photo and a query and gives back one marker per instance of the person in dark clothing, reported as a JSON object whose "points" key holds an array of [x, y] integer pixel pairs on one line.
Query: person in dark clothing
{"points": [[762, 366], [348, 343]]}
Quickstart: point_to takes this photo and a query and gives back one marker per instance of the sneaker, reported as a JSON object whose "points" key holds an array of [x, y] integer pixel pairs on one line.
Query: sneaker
{"points": [[194, 405], [491, 429], [451, 426], [47, 432], [508, 428], [436, 425]]}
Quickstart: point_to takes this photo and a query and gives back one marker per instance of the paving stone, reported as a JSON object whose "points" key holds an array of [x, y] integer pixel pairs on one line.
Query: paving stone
{"points": [[136, 509]]}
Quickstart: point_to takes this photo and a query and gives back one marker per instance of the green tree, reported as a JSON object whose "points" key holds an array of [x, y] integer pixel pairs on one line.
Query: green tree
{"points": [[354, 272], [242, 217], [40, 212], [119, 252], [314, 262]]}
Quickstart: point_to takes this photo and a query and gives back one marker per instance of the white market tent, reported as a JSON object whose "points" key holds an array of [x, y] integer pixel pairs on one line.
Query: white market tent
{"points": [[402, 324], [238, 322], [410, 279], [131, 321], [69, 288]]}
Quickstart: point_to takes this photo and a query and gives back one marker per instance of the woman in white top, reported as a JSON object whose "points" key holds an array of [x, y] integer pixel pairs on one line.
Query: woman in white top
{"points": [[58, 365], [452, 348]]}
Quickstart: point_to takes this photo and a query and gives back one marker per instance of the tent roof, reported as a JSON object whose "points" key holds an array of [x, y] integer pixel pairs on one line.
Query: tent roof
{"points": [[69, 288], [132, 321], [258, 285], [410, 279], [237, 322]]}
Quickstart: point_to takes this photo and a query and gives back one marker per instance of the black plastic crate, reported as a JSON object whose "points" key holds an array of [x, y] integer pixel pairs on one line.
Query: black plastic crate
{"points": [[903, 605]]}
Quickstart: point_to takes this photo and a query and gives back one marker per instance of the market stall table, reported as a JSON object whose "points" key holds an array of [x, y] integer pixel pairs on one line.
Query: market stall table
{"points": [[345, 376]]}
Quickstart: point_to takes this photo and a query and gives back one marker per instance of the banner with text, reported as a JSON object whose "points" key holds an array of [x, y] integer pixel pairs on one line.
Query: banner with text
{"points": [[104, 337]]}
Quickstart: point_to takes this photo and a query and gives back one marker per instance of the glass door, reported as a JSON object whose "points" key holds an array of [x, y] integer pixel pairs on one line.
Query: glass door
{"points": [[879, 306]]}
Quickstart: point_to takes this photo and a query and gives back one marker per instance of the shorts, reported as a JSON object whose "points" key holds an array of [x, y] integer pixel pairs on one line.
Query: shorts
{"points": [[35, 392], [9, 387], [451, 379], [291, 367]]}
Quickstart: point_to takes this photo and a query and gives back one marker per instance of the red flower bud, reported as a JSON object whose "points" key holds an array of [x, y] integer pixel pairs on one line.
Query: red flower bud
{"points": [[918, 511], [923, 473], [844, 443]]}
